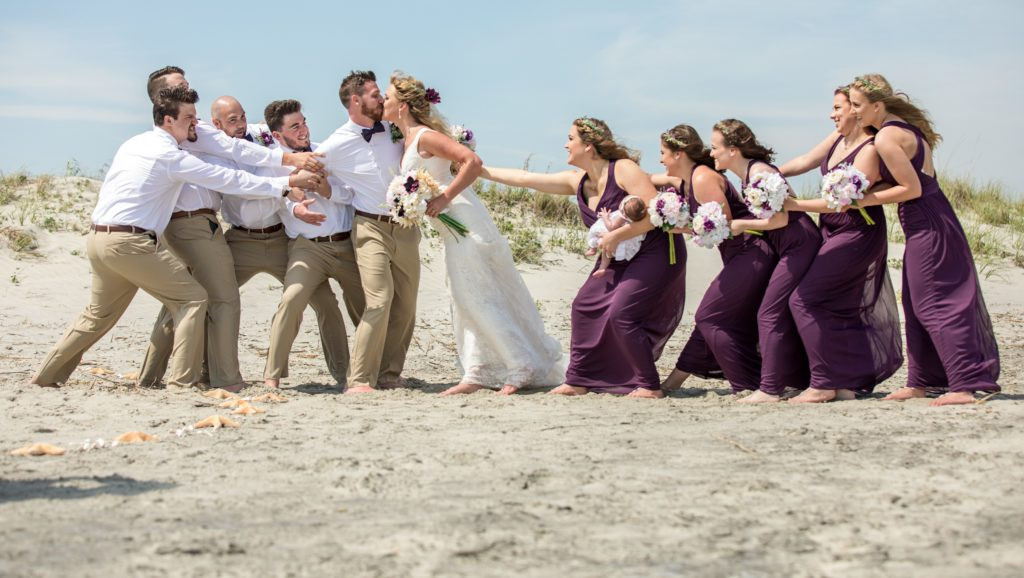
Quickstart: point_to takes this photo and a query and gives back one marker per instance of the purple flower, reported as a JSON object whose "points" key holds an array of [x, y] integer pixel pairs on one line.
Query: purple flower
{"points": [[411, 185], [266, 138], [433, 97], [468, 134]]}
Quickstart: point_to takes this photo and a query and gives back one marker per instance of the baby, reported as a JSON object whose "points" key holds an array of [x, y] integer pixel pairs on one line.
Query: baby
{"points": [[631, 210]]}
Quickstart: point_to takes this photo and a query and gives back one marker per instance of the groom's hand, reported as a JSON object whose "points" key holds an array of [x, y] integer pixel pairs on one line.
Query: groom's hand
{"points": [[302, 213], [306, 161]]}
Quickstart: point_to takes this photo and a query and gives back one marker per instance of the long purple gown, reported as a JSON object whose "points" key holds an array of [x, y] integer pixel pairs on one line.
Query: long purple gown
{"points": [[620, 322], [844, 307], [950, 343], [724, 341], [783, 359]]}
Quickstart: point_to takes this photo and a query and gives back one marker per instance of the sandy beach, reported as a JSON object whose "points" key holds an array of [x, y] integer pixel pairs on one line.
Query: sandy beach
{"points": [[408, 483]]}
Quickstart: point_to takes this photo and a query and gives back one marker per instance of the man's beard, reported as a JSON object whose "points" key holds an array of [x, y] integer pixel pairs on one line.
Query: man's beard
{"points": [[375, 114], [193, 136], [295, 144]]}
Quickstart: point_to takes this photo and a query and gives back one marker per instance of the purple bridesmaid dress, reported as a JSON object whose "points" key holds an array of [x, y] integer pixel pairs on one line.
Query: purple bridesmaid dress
{"points": [[724, 341], [783, 359], [845, 308], [950, 343], [620, 322]]}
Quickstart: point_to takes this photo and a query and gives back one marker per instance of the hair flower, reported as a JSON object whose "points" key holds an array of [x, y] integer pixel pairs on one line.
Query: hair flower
{"points": [[433, 97]]}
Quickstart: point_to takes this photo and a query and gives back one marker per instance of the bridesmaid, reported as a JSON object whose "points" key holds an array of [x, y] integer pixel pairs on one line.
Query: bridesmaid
{"points": [[620, 322], [950, 343], [724, 341], [795, 240], [844, 307]]}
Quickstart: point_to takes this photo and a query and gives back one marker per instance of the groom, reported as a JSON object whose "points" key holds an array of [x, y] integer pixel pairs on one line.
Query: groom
{"points": [[363, 154]]}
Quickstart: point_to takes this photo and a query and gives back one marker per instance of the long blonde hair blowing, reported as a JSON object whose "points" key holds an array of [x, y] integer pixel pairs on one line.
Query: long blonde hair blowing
{"points": [[411, 92], [877, 89], [595, 132]]}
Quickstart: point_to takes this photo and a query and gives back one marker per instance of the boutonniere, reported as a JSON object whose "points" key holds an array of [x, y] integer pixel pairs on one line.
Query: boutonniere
{"points": [[396, 134], [265, 138]]}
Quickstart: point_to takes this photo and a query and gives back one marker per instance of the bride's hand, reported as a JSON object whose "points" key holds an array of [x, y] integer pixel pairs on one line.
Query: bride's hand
{"points": [[437, 205]]}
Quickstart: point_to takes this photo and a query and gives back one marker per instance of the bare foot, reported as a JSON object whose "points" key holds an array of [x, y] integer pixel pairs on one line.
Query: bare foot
{"points": [[271, 382], [646, 393], [599, 273], [760, 397], [566, 389], [904, 393], [357, 389], [953, 398], [237, 387], [812, 395], [462, 388], [507, 390], [674, 380]]}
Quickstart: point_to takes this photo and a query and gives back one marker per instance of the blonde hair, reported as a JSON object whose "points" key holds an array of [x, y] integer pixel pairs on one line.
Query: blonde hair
{"points": [[411, 92], [877, 89], [595, 132]]}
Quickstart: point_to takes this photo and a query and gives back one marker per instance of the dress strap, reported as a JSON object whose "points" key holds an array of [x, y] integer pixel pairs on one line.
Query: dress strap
{"points": [[828, 156], [918, 160]]}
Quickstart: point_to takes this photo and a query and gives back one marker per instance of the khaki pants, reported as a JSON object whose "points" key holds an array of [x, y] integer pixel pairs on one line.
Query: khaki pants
{"points": [[389, 266], [310, 264], [121, 264], [199, 243]]}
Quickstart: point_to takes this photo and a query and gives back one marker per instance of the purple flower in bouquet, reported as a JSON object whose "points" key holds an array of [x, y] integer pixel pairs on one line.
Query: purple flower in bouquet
{"points": [[411, 185]]}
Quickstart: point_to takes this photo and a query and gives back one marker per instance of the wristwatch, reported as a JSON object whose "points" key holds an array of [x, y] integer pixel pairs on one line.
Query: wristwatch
{"points": [[286, 190]]}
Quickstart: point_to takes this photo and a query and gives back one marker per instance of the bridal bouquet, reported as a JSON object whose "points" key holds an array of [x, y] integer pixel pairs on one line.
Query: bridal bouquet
{"points": [[464, 136], [843, 186], [667, 212], [765, 194], [710, 227], [408, 194]]}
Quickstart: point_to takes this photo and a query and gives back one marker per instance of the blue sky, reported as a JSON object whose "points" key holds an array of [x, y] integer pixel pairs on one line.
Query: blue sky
{"points": [[72, 74]]}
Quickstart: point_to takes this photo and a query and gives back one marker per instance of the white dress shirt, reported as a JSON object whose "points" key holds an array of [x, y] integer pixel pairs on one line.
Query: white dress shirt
{"points": [[254, 212], [366, 167], [195, 197], [213, 141], [337, 209], [146, 176]]}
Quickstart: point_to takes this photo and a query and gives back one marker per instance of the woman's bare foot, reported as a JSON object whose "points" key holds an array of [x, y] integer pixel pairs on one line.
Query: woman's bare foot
{"points": [[566, 389], [760, 397], [812, 395], [272, 382], [357, 389], [904, 393], [462, 388], [507, 390], [953, 398], [646, 393], [674, 380]]}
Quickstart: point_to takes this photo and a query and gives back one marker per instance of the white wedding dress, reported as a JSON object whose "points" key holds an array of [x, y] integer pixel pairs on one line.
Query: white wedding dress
{"points": [[499, 334]]}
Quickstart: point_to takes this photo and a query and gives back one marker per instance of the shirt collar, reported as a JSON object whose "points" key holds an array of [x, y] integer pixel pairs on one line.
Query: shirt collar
{"points": [[166, 135]]}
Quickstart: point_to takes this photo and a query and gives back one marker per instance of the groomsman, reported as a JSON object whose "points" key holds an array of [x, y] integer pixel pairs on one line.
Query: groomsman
{"points": [[257, 238], [318, 251], [364, 155], [134, 206]]}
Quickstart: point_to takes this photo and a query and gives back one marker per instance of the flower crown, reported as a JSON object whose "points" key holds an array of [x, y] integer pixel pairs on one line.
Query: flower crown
{"points": [[869, 86], [432, 96], [667, 137], [592, 126]]}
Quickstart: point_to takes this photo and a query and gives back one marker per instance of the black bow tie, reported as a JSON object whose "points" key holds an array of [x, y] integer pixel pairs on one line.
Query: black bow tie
{"points": [[369, 132], [248, 137], [304, 150]]}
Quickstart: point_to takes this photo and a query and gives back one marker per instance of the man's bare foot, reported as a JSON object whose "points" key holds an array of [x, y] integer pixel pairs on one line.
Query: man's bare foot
{"points": [[238, 387], [507, 390], [599, 273], [566, 389], [646, 393], [272, 382], [904, 393], [674, 380], [462, 388], [953, 398], [760, 397], [812, 395], [357, 389]]}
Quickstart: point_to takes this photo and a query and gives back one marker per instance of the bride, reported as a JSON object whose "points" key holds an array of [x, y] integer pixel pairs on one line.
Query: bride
{"points": [[498, 332]]}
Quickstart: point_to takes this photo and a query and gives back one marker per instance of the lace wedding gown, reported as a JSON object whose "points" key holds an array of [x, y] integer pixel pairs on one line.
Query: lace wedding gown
{"points": [[499, 334]]}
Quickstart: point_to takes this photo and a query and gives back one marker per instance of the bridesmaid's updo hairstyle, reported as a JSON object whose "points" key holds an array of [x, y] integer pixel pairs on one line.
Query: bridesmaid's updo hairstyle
{"points": [[876, 88], [595, 132], [411, 92], [682, 138], [737, 134]]}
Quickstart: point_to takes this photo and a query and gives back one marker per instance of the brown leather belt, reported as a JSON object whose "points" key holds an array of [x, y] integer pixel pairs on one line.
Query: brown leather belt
{"points": [[119, 229], [180, 214], [263, 231], [375, 217], [331, 238]]}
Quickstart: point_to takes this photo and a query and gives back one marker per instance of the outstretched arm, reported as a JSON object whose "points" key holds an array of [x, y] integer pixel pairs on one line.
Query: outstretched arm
{"points": [[663, 180], [810, 159], [562, 183]]}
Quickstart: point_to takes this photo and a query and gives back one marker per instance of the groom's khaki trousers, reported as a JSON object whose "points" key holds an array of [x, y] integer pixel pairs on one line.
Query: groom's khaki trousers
{"points": [[197, 240], [121, 264], [310, 264], [389, 266]]}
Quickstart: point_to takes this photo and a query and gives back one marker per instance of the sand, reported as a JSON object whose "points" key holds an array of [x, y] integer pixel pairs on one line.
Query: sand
{"points": [[408, 483]]}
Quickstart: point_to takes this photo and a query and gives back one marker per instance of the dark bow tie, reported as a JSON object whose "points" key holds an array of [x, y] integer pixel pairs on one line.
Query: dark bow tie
{"points": [[369, 132], [304, 150], [248, 137]]}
